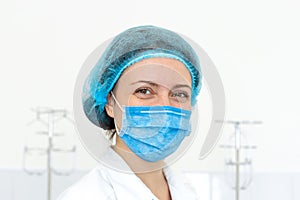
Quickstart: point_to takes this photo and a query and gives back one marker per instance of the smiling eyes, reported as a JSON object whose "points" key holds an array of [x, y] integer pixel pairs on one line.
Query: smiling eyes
{"points": [[143, 91], [148, 93]]}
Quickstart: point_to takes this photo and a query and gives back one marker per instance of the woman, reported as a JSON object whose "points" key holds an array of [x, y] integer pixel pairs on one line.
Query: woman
{"points": [[141, 91]]}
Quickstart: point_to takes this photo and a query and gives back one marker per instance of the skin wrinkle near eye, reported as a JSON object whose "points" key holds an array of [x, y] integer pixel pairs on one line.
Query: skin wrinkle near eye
{"points": [[176, 91], [155, 84]]}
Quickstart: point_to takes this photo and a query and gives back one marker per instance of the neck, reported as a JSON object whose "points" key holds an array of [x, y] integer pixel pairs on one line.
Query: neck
{"points": [[151, 174], [157, 183]]}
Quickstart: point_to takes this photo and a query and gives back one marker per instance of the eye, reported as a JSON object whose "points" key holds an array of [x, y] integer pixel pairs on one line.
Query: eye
{"points": [[144, 92], [180, 96]]}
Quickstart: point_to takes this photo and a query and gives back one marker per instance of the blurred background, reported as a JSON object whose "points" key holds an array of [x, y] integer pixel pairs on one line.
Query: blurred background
{"points": [[254, 45]]}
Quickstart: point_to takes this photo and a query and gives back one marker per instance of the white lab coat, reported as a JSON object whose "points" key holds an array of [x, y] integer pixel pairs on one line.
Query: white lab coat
{"points": [[103, 182]]}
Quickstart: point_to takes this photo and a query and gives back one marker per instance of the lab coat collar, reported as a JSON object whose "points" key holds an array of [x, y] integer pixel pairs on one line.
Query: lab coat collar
{"points": [[179, 188]]}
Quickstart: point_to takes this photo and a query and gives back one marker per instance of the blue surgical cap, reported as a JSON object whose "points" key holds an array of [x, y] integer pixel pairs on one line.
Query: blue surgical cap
{"points": [[127, 48]]}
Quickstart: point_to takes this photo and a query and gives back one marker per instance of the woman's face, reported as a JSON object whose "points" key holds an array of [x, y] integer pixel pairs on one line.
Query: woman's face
{"points": [[152, 82]]}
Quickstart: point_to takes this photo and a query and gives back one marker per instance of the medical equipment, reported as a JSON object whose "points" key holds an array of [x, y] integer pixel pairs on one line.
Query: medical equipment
{"points": [[50, 132], [238, 161]]}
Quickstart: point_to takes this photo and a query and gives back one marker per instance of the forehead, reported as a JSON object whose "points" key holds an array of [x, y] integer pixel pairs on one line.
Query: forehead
{"points": [[163, 71]]}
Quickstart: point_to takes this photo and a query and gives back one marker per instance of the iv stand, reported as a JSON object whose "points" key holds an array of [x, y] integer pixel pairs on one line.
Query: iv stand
{"points": [[49, 149], [237, 147]]}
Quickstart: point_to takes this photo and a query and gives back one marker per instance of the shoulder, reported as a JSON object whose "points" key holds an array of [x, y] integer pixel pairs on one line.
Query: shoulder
{"points": [[94, 185]]}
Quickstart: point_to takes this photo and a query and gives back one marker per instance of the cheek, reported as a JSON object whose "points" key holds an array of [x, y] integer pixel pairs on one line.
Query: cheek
{"points": [[185, 106], [134, 101]]}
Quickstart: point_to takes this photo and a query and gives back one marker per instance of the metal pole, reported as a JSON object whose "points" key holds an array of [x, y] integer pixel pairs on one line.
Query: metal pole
{"points": [[50, 136], [237, 160], [237, 175]]}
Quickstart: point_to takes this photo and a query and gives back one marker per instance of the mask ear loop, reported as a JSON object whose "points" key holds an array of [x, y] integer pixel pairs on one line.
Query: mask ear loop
{"points": [[119, 105], [117, 130], [113, 96]]}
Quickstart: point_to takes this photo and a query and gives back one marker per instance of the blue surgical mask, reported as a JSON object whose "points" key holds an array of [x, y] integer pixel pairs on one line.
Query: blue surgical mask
{"points": [[153, 132]]}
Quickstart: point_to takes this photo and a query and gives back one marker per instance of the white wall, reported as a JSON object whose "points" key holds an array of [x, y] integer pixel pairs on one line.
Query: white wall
{"points": [[254, 44]]}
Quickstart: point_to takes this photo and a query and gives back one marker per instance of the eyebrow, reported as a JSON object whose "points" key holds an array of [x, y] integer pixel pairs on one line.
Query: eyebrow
{"points": [[181, 85], [142, 81], [155, 84]]}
